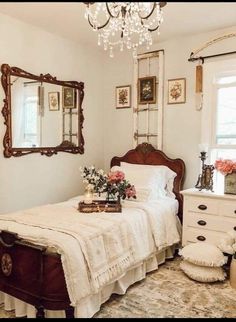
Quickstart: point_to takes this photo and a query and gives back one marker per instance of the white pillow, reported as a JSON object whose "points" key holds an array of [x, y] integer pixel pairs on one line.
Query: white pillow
{"points": [[145, 180], [202, 273], [203, 254], [142, 194], [161, 170]]}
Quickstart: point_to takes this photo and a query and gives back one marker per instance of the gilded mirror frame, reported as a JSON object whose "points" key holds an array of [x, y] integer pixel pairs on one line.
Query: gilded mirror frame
{"points": [[65, 146]]}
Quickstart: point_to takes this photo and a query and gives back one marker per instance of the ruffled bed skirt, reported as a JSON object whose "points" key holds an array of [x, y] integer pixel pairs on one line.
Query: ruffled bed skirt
{"points": [[91, 304]]}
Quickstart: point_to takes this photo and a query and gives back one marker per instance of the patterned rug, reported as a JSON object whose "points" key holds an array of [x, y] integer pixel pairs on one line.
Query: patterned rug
{"points": [[169, 293]]}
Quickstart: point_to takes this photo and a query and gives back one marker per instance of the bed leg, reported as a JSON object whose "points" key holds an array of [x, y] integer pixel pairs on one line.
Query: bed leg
{"points": [[40, 312], [70, 312]]}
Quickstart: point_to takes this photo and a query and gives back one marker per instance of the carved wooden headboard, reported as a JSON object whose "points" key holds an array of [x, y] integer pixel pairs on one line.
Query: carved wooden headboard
{"points": [[145, 153]]}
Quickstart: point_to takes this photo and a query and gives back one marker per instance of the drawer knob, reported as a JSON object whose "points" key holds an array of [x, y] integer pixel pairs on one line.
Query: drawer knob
{"points": [[235, 211], [201, 238], [234, 227], [202, 223], [202, 207]]}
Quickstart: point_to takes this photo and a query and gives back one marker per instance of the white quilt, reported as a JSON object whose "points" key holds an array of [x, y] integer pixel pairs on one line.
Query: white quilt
{"points": [[97, 248]]}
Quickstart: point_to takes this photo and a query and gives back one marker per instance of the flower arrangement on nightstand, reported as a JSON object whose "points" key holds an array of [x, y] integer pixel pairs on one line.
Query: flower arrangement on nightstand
{"points": [[227, 168]]}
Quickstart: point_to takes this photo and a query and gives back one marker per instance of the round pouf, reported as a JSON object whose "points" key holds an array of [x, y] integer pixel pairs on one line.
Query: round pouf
{"points": [[202, 273], [203, 262]]}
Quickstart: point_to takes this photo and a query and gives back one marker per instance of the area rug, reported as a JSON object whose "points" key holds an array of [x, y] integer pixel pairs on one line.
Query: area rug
{"points": [[168, 293]]}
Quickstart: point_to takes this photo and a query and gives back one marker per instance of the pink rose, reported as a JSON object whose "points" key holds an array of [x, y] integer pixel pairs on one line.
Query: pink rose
{"points": [[225, 166], [130, 192], [116, 176]]}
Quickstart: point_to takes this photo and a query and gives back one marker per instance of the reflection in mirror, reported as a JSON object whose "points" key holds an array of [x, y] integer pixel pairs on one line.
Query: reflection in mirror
{"points": [[26, 113], [46, 114]]}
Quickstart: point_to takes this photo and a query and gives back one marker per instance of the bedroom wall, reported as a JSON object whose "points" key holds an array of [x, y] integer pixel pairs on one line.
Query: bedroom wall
{"points": [[34, 179], [182, 122]]}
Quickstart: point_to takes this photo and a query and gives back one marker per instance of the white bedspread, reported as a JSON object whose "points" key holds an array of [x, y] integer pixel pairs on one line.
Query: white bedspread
{"points": [[97, 248]]}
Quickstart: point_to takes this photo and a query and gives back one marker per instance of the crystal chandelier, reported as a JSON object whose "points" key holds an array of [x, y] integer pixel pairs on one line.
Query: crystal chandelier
{"points": [[124, 24]]}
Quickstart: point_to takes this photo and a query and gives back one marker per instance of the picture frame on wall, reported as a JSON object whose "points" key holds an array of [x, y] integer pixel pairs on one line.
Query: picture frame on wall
{"points": [[177, 91], [147, 90], [53, 101], [68, 97], [123, 96]]}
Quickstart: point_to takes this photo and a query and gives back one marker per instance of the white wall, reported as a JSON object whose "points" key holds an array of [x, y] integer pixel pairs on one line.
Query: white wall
{"points": [[182, 122], [34, 179]]}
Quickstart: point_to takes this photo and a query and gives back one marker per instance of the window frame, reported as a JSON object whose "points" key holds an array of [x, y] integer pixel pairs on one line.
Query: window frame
{"points": [[212, 71], [213, 142]]}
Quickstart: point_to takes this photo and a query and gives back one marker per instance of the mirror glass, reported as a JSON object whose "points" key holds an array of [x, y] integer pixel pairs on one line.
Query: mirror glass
{"points": [[43, 114]]}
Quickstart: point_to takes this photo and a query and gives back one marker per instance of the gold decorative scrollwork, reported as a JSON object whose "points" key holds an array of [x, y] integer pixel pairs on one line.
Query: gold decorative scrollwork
{"points": [[6, 264]]}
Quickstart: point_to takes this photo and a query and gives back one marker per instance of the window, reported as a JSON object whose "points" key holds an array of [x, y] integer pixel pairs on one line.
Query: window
{"points": [[219, 113], [225, 133], [31, 121]]}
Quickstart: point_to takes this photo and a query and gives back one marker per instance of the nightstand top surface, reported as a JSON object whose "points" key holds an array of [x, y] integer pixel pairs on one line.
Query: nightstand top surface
{"points": [[207, 193]]}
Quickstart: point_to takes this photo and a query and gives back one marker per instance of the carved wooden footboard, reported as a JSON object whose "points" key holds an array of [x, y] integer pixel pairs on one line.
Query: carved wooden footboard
{"points": [[29, 273]]}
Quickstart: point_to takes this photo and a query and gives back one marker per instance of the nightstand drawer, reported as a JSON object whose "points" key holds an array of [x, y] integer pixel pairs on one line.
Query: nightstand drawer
{"points": [[215, 223], [197, 235], [201, 205], [227, 208]]}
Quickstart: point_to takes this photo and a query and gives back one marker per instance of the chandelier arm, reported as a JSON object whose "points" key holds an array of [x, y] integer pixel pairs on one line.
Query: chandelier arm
{"points": [[109, 11], [100, 27], [151, 12], [153, 29]]}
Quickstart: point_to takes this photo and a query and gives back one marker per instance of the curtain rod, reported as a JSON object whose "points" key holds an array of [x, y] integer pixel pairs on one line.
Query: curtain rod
{"points": [[202, 58]]}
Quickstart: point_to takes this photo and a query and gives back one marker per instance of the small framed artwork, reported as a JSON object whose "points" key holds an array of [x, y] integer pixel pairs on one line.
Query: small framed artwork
{"points": [[177, 91], [53, 101], [123, 96], [147, 90], [68, 97]]}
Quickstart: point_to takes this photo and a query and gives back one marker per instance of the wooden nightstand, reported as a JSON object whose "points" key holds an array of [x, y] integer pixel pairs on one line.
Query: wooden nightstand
{"points": [[207, 216]]}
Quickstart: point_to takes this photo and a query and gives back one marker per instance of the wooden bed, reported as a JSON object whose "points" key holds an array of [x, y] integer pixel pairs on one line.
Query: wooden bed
{"points": [[45, 286]]}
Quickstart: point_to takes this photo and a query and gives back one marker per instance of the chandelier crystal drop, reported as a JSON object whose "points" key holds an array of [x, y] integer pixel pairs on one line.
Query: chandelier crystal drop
{"points": [[124, 24]]}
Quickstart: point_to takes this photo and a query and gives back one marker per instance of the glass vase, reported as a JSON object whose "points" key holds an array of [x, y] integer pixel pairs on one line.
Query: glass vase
{"points": [[88, 195]]}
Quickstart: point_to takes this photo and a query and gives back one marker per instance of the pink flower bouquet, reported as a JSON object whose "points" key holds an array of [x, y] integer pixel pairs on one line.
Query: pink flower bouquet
{"points": [[225, 166], [113, 183], [118, 185]]}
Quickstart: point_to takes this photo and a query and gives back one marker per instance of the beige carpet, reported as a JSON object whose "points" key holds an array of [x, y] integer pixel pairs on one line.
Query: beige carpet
{"points": [[168, 292]]}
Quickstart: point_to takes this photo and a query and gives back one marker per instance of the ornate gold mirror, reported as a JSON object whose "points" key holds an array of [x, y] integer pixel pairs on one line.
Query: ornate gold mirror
{"points": [[42, 114]]}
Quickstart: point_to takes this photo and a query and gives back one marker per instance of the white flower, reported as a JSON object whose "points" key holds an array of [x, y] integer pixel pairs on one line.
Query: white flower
{"points": [[89, 186]]}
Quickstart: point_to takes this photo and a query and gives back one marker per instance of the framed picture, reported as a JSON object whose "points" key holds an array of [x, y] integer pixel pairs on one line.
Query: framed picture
{"points": [[68, 97], [53, 101], [123, 96], [177, 91], [147, 90]]}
